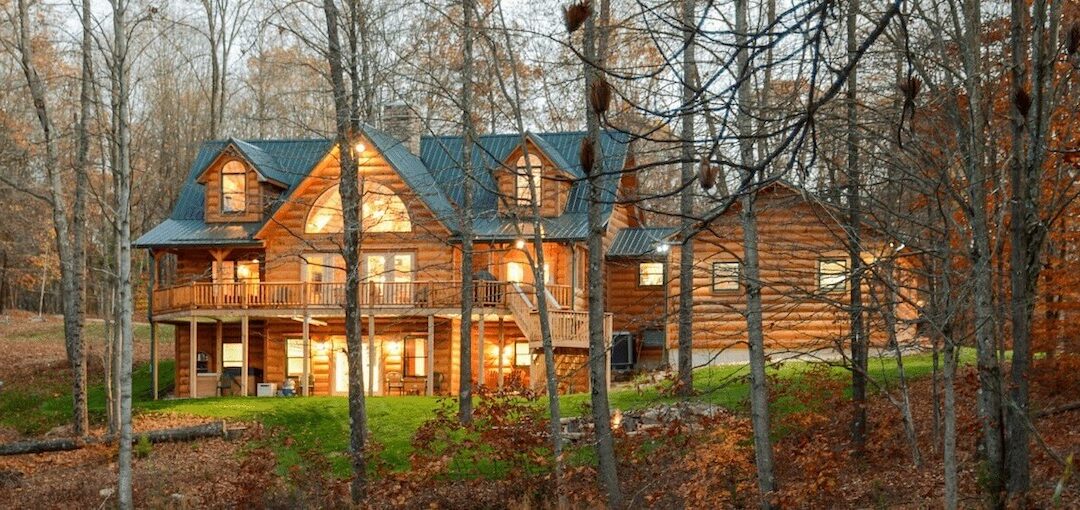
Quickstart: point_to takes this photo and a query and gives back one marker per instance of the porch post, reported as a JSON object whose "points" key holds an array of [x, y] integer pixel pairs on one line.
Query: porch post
{"points": [[429, 360], [480, 349], [573, 276], [371, 354], [150, 319], [219, 338], [502, 339], [193, 341], [307, 355], [244, 355]]}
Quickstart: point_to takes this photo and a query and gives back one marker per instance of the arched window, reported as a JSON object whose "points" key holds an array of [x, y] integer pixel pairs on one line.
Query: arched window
{"points": [[526, 169], [233, 187], [381, 211]]}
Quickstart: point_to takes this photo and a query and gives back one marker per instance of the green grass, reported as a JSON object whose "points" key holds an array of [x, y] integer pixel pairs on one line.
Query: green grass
{"points": [[321, 425]]}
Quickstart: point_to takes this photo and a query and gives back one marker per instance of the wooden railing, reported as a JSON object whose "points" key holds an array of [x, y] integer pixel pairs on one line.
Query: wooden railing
{"points": [[305, 295]]}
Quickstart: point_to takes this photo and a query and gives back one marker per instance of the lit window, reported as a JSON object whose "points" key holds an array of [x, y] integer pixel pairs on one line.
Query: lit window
{"points": [[832, 275], [416, 356], [294, 352], [232, 355], [522, 356], [528, 170], [650, 274], [725, 276], [234, 271], [515, 272], [233, 187], [381, 211]]}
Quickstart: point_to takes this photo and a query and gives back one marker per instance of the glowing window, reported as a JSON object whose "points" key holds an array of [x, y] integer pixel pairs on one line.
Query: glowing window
{"points": [[416, 356], [294, 353], [522, 356], [515, 272], [651, 274], [233, 187], [528, 170], [232, 355], [381, 211]]}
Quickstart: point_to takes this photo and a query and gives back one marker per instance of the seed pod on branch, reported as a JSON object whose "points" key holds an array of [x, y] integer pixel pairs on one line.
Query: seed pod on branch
{"points": [[575, 15], [1072, 39], [707, 173], [600, 96], [1022, 100], [588, 159]]}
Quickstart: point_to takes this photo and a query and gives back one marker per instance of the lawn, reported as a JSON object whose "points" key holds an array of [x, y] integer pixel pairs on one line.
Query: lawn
{"points": [[321, 423]]}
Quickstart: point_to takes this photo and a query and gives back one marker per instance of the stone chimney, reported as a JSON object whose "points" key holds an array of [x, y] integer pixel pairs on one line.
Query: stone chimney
{"points": [[401, 122]]}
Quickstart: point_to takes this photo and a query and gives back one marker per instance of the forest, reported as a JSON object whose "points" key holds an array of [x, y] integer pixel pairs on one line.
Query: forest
{"points": [[941, 139]]}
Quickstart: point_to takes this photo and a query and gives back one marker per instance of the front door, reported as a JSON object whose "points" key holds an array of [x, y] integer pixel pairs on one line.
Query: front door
{"points": [[341, 371]]}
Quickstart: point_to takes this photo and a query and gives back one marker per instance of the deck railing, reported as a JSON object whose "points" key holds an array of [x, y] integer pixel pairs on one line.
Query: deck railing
{"points": [[305, 295]]}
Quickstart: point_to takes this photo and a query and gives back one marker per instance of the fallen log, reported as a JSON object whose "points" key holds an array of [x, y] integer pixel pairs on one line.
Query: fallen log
{"points": [[206, 430], [1074, 406]]}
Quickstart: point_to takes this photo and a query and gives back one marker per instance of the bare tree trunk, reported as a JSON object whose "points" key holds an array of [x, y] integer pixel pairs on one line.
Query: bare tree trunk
{"points": [[859, 345], [465, 389], [598, 361], [69, 249], [759, 391], [346, 124], [122, 172], [686, 205], [949, 449]]}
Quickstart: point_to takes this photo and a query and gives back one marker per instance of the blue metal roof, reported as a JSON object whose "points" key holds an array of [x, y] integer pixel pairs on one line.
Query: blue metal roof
{"points": [[435, 175], [638, 242]]}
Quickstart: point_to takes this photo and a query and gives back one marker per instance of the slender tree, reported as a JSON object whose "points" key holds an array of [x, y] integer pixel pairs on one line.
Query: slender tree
{"points": [[686, 202], [859, 342], [346, 138], [465, 388]]}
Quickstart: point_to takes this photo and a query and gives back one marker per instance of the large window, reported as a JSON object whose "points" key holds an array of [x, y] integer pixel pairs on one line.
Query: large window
{"points": [[381, 210], [725, 276], [832, 275], [294, 356], [233, 187], [528, 172], [416, 356], [650, 274], [238, 271], [232, 355]]}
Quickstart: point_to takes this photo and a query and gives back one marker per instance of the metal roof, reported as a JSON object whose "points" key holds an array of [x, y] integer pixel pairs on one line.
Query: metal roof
{"points": [[638, 242], [435, 175]]}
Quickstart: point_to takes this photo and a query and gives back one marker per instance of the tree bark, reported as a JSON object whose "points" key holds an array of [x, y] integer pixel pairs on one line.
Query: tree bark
{"points": [[859, 345], [346, 137], [686, 204], [759, 391], [466, 354], [122, 175], [598, 365]]}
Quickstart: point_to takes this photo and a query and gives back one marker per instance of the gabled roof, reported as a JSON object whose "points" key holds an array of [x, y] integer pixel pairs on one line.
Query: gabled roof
{"points": [[186, 225], [434, 175], [442, 156], [638, 242]]}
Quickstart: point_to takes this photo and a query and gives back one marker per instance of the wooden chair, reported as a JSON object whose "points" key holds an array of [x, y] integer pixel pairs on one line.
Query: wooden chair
{"points": [[394, 382]]}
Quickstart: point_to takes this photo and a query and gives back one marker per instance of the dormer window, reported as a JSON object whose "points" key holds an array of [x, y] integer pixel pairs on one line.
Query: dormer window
{"points": [[528, 170], [233, 187]]}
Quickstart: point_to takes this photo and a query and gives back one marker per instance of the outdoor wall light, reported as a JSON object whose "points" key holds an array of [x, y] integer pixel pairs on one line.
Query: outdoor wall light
{"points": [[663, 248], [519, 244], [359, 148]]}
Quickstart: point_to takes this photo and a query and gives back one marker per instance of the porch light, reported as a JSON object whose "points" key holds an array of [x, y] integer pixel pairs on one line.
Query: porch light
{"points": [[519, 244], [358, 148], [663, 248], [322, 348], [394, 348]]}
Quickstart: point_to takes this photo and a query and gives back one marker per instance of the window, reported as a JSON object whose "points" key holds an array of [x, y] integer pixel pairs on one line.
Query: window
{"points": [[381, 210], [238, 271], [650, 274], [725, 276], [294, 357], [202, 363], [832, 275], [232, 355], [528, 171], [233, 187], [522, 356], [324, 268], [515, 272], [416, 356]]}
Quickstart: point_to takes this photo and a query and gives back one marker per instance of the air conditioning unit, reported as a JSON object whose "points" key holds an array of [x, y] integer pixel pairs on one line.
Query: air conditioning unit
{"points": [[266, 390]]}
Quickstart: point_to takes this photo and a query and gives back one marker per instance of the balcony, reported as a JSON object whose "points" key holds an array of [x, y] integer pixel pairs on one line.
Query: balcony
{"points": [[325, 298]]}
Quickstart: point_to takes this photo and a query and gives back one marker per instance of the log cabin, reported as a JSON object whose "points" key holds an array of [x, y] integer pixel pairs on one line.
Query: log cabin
{"points": [[248, 266]]}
